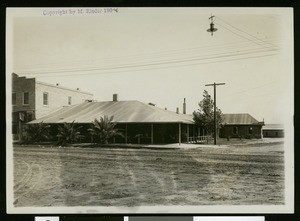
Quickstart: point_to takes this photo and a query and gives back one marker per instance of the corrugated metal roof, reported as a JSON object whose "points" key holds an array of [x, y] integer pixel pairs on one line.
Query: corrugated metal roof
{"points": [[123, 112], [273, 127], [236, 119]]}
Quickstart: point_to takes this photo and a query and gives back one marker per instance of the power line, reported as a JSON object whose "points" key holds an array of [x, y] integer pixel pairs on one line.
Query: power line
{"points": [[246, 32], [244, 36], [154, 54], [233, 50], [162, 62], [158, 68], [250, 89]]}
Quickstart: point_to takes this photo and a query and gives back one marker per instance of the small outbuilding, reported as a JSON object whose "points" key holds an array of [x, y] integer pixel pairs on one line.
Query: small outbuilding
{"points": [[273, 130], [241, 126]]}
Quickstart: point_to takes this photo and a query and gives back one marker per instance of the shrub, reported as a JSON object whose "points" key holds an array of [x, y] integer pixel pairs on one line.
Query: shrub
{"points": [[36, 133], [104, 129], [68, 134]]}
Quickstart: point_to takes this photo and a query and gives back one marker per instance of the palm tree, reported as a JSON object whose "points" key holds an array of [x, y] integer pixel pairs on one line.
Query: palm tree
{"points": [[104, 129], [68, 133], [37, 133]]}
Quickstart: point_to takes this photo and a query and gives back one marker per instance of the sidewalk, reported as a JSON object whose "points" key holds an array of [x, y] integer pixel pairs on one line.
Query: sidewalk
{"points": [[222, 143], [182, 146]]}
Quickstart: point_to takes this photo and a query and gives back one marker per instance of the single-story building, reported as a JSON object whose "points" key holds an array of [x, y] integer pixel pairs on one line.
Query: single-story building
{"points": [[241, 126], [273, 130], [139, 122]]}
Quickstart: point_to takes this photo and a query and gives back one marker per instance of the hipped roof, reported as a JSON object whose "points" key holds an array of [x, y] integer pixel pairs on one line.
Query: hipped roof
{"points": [[240, 119], [122, 111]]}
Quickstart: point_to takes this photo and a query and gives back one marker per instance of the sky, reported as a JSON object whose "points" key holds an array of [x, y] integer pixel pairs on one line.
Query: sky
{"points": [[163, 55]]}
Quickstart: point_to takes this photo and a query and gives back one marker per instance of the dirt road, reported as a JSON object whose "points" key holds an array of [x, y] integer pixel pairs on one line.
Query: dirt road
{"points": [[238, 175]]}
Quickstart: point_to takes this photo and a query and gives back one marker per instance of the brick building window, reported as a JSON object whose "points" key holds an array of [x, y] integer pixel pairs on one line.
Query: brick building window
{"points": [[250, 131], [235, 130], [45, 98], [26, 98], [69, 100], [15, 128], [14, 98]]}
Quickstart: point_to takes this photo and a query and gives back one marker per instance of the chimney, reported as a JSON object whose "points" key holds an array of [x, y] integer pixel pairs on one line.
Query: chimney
{"points": [[115, 97], [177, 110], [184, 106]]}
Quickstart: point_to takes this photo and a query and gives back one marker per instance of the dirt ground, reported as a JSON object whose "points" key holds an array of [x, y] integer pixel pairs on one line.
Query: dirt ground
{"points": [[245, 174]]}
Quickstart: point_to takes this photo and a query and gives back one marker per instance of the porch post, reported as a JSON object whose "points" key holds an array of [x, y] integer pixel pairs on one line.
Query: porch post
{"points": [[188, 133], [126, 133], [151, 133], [193, 132], [179, 133], [20, 131]]}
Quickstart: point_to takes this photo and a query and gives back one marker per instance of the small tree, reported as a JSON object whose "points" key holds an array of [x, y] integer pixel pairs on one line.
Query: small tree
{"points": [[68, 133], [104, 129], [205, 114], [36, 133]]}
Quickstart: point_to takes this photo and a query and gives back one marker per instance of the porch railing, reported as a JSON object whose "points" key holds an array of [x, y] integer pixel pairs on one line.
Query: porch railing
{"points": [[199, 139]]}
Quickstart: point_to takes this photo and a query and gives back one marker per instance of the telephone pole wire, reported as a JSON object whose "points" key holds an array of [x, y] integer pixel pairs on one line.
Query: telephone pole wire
{"points": [[215, 104]]}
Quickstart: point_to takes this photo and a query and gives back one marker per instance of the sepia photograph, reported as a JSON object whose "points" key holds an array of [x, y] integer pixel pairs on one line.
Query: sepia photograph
{"points": [[149, 110]]}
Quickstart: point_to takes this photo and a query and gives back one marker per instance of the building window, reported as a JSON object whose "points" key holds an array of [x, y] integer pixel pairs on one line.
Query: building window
{"points": [[69, 100], [276, 134], [29, 116], [250, 130], [25, 98], [45, 98], [235, 130], [14, 99]]}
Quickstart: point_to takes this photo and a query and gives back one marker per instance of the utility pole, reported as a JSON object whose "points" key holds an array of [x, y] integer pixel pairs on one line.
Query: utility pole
{"points": [[215, 104]]}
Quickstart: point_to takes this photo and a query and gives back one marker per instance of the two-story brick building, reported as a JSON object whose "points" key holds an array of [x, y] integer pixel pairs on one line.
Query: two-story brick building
{"points": [[32, 99]]}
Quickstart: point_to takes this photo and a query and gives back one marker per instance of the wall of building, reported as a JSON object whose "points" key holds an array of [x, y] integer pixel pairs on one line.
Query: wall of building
{"points": [[273, 133], [57, 98], [22, 113], [19, 86], [242, 131]]}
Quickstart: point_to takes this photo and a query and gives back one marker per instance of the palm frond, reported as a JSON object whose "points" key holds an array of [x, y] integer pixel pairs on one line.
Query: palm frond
{"points": [[104, 129], [69, 133]]}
